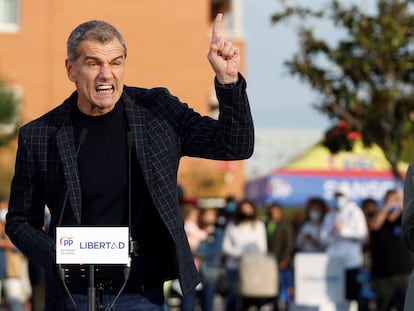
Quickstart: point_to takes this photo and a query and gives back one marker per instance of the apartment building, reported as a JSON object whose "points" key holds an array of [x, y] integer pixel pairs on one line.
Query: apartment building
{"points": [[167, 46]]}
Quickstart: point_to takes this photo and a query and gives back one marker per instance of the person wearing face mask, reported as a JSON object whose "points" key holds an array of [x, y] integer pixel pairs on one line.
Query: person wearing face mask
{"points": [[210, 253], [244, 233], [369, 207], [307, 239], [390, 257], [344, 231], [281, 241], [11, 266]]}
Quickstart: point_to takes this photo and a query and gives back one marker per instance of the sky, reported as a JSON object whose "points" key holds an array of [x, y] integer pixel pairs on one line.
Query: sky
{"points": [[278, 99]]}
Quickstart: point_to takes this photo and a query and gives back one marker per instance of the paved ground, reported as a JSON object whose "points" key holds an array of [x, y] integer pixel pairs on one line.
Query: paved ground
{"points": [[174, 304]]}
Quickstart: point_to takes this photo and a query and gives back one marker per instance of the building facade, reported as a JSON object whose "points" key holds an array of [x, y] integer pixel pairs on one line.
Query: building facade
{"points": [[167, 46]]}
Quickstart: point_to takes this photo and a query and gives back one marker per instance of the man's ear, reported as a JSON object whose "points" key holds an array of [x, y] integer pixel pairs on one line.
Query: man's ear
{"points": [[69, 70]]}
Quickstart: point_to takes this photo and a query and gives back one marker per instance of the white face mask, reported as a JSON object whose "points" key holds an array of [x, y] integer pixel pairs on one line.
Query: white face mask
{"points": [[3, 213], [340, 202], [314, 215]]}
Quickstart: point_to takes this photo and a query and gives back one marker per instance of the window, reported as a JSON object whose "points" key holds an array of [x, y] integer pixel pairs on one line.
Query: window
{"points": [[9, 15]]}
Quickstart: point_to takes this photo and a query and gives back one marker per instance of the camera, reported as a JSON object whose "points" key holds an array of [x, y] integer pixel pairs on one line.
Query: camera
{"points": [[394, 209]]}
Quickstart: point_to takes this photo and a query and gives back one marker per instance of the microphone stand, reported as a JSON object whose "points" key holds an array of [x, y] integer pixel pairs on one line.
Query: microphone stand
{"points": [[132, 246], [92, 289]]}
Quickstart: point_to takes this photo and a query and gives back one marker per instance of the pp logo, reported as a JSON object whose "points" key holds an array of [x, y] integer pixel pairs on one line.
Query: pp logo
{"points": [[66, 241]]}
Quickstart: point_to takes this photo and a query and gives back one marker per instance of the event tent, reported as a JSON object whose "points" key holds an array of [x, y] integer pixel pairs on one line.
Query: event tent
{"points": [[365, 172]]}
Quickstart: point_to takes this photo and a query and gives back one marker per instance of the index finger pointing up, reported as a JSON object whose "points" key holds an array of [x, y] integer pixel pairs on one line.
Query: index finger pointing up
{"points": [[217, 26]]}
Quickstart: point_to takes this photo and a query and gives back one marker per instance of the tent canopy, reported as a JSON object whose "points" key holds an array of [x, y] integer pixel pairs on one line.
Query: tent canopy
{"points": [[317, 173]]}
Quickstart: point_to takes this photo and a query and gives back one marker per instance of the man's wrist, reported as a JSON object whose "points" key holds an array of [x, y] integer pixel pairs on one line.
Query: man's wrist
{"points": [[228, 84]]}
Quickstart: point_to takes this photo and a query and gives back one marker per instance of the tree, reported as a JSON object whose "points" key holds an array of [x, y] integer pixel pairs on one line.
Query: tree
{"points": [[366, 78], [9, 107]]}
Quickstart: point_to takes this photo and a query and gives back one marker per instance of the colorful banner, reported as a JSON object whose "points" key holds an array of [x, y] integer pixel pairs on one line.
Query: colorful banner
{"points": [[364, 171]]}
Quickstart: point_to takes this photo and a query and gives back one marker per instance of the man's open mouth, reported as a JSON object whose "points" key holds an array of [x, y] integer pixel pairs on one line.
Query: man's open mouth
{"points": [[101, 89]]}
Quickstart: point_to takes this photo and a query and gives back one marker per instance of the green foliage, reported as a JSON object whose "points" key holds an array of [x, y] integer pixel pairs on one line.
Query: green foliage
{"points": [[366, 77], [9, 109]]}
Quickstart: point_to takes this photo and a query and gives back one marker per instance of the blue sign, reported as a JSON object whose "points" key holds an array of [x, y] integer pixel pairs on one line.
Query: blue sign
{"points": [[295, 189]]}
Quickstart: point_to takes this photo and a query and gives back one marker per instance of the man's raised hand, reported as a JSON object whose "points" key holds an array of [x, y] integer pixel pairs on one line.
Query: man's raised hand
{"points": [[223, 56]]}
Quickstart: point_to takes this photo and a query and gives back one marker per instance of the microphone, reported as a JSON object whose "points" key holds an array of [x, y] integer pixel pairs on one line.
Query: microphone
{"points": [[82, 139], [133, 245], [61, 270]]}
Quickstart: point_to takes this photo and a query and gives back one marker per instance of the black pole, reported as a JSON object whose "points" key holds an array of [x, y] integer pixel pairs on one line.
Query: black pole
{"points": [[92, 289]]}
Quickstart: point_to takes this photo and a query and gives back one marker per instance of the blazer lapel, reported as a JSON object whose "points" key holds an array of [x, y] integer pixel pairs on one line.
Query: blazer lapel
{"points": [[67, 152], [136, 117]]}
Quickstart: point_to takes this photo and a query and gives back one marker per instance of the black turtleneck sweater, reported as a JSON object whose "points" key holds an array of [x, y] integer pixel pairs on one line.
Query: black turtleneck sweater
{"points": [[103, 165], [103, 169]]}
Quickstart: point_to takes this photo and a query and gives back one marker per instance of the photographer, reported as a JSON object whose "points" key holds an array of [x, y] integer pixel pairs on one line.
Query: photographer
{"points": [[391, 260]]}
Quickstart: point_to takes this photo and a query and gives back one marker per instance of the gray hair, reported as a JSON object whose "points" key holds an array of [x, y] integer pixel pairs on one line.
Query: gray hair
{"points": [[95, 30]]}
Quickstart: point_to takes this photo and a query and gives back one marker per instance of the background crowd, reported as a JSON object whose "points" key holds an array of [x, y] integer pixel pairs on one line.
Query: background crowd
{"points": [[367, 236]]}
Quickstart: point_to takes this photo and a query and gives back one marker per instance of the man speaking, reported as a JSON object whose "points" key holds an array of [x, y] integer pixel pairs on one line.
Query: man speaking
{"points": [[108, 156]]}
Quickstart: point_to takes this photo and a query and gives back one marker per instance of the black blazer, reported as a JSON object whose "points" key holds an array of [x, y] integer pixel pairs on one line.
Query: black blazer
{"points": [[164, 130], [408, 229], [408, 208]]}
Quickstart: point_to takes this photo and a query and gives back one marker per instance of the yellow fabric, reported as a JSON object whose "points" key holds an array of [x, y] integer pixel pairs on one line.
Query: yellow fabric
{"points": [[360, 158]]}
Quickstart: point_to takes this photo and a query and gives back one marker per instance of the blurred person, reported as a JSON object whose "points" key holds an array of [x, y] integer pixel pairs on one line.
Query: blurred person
{"points": [[226, 213], [76, 160], [37, 276], [281, 243], [11, 265], [244, 233], [194, 235], [344, 231], [391, 261], [209, 252], [369, 207], [307, 238], [296, 219]]}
